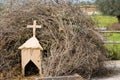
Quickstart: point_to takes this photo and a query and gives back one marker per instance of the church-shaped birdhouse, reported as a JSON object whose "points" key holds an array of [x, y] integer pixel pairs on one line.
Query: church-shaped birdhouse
{"points": [[31, 54]]}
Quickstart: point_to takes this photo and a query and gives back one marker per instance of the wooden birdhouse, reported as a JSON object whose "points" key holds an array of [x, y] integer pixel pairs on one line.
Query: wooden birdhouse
{"points": [[31, 54]]}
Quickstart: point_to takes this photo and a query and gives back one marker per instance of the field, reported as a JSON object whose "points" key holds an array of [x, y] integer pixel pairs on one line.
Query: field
{"points": [[114, 48], [104, 21]]}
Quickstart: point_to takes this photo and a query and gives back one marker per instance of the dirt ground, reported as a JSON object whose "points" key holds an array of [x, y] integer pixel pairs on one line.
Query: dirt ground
{"points": [[115, 67]]}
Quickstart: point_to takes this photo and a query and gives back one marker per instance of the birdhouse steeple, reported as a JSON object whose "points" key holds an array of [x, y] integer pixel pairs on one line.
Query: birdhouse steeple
{"points": [[31, 54]]}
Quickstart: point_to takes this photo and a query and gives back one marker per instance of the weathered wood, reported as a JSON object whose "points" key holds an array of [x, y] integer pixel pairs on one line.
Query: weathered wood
{"points": [[29, 56], [109, 31], [101, 29], [34, 26], [111, 42], [62, 78]]}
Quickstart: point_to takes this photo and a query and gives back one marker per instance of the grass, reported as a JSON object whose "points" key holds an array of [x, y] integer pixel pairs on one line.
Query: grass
{"points": [[104, 21], [114, 49], [114, 37]]}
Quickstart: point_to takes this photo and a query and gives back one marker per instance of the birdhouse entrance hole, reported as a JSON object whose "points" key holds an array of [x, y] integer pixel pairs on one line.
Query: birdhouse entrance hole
{"points": [[31, 69]]}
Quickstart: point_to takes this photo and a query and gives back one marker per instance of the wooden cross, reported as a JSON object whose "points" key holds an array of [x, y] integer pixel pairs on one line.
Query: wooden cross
{"points": [[34, 26]]}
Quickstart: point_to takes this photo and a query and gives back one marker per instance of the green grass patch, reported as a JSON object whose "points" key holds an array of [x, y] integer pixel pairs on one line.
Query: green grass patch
{"points": [[112, 36], [114, 49], [103, 21]]}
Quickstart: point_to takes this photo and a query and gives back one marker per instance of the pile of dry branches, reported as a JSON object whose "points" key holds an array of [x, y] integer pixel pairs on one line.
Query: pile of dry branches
{"points": [[70, 43]]}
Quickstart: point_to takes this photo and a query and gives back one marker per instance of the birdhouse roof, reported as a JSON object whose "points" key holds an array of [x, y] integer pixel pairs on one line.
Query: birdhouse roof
{"points": [[31, 43]]}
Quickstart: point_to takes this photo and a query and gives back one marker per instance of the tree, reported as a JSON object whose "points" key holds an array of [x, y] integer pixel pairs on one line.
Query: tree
{"points": [[109, 7]]}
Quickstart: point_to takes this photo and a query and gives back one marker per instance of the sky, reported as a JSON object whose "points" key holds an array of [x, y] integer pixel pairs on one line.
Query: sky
{"points": [[87, 0]]}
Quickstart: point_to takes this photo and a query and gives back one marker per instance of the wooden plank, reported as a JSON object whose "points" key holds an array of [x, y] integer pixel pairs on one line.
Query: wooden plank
{"points": [[62, 78], [110, 31], [101, 29], [111, 42]]}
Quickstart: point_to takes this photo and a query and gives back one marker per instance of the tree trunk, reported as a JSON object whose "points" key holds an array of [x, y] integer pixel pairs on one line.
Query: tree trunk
{"points": [[118, 17]]}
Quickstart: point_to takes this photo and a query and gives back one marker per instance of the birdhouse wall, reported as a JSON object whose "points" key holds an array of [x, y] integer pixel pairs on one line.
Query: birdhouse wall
{"points": [[31, 54]]}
